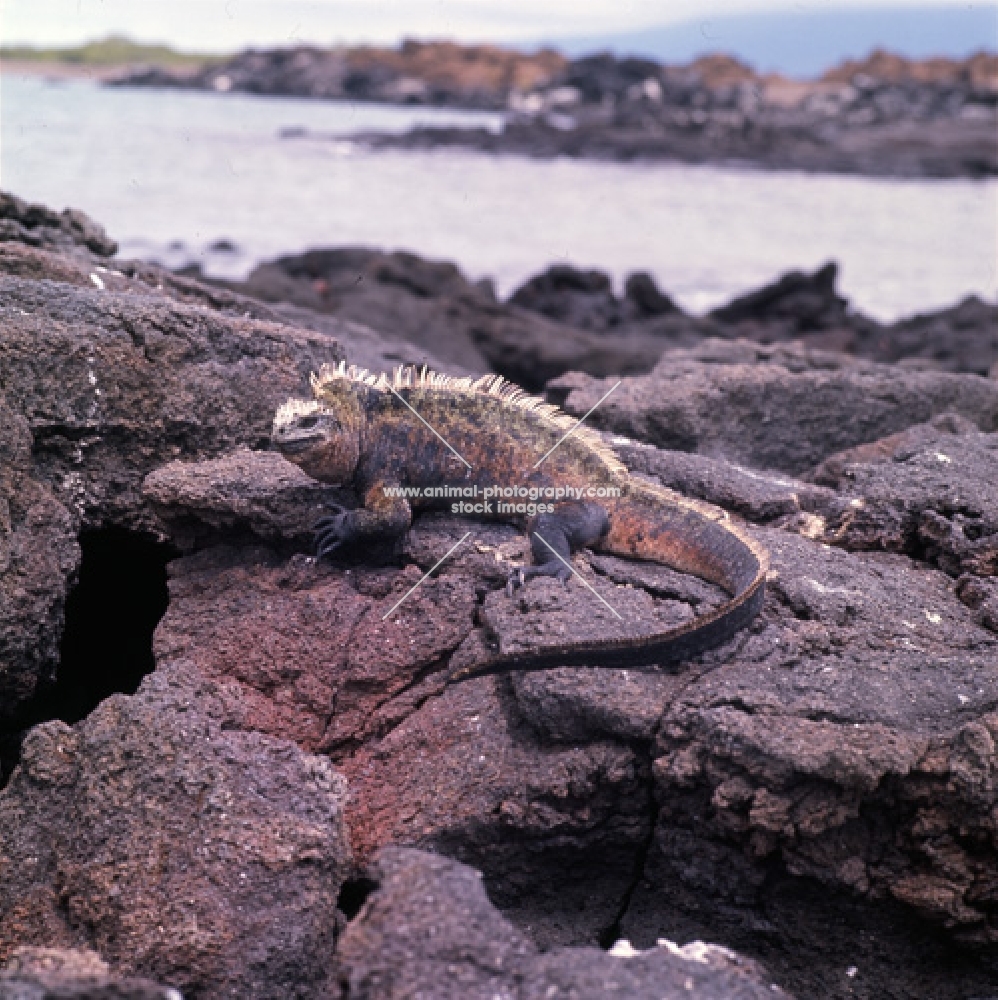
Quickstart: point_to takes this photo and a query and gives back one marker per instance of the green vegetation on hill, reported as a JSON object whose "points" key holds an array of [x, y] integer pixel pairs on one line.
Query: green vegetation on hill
{"points": [[112, 51]]}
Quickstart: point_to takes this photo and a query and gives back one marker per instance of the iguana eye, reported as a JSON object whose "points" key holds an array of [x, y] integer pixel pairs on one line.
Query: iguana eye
{"points": [[307, 423]]}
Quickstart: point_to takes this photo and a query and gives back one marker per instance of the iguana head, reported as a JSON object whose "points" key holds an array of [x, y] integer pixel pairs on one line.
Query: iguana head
{"points": [[320, 438]]}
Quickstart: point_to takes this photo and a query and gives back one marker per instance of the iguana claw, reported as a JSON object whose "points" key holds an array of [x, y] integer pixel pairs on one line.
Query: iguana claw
{"points": [[331, 532]]}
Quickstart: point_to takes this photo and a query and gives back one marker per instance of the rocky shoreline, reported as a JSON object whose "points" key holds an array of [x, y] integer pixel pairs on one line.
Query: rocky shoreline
{"points": [[259, 788], [884, 115]]}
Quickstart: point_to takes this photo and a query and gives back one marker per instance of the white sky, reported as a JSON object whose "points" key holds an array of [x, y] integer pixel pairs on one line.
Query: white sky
{"points": [[227, 25]]}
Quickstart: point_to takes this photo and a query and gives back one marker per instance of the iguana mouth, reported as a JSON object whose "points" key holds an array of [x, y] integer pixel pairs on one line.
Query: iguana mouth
{"points": [[298, 444]]}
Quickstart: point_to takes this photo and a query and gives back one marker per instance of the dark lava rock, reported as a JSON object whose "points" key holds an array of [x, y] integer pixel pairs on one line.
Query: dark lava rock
{"points": [[428, 929], [247, 491], [39, 226], [585, 299], [780, 407], [819, 792], [799, 306], [569, 295], [71, 974], [568, 319], [434, 307], [807, 307], [641, 289], [963, 338], [762, 497], [360, 344], [105, 380], [833, 763], [929, 491], [922, 119], [803, 300], [38, 555], [864, 695], [175, 845]]}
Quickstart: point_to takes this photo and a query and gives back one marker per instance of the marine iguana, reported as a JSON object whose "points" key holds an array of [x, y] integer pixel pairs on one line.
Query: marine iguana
{"points": [[418, 429]]}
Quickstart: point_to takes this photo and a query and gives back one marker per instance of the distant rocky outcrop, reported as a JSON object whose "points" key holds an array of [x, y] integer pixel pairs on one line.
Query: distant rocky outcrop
{"points": [[569, 319], [882, 115], [457, 323], [435, 73]]}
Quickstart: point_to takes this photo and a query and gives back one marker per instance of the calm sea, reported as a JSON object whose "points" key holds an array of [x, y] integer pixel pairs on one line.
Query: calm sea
{"points": [[170, 173]]}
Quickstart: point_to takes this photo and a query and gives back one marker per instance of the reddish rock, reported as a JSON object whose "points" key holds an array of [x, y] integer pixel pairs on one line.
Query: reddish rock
{"points": [[106, 378], [176, 844]]}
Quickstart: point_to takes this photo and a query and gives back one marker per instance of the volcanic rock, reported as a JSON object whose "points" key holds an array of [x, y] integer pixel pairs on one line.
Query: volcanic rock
{"points": [[936, 118], [429, 929], [39, 226], [839, 745], [254, 492], [585, 299], [781, 407], [68, 974], [818, 793], [434, 307], [799, 306], [479, 76], [105, 380], [175, 845], [963, 338]]}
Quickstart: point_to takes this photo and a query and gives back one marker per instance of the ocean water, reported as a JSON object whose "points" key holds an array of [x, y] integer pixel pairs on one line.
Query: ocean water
{"points": [[170, 173]]}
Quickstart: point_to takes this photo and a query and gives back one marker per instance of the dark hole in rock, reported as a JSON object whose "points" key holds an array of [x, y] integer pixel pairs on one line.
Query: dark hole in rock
{"points": [[111, 614], [353, 895], [106, 647]]}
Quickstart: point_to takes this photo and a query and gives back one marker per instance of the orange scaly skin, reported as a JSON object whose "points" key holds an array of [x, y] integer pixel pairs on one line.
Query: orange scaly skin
{"points": [[358, 430]]}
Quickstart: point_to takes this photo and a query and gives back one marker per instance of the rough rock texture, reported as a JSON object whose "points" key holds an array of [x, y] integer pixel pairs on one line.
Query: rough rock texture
{"points": [[428, 929], [176, 846], [360, 344], [106, 377], [39, 226], [779, 407], [433, 306], [819, 793], [928, 491], [38, 555], [832, 763], [863, 702], [246, 491], [71, 974]]}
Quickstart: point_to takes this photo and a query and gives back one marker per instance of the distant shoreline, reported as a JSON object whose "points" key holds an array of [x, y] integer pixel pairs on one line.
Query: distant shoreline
{"points": [[881, 116], [55, 70]]}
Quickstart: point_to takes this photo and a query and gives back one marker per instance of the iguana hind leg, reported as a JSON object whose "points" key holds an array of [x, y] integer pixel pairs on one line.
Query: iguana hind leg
{"points": [[554, 537]]}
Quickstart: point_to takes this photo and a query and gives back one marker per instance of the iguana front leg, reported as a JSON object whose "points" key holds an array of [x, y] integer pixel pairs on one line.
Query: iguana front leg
{"points": [[554, 537], [382, 519]]}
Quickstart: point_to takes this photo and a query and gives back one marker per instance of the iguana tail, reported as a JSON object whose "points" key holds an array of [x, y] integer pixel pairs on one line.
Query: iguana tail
{"points": [[654, 523]]}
